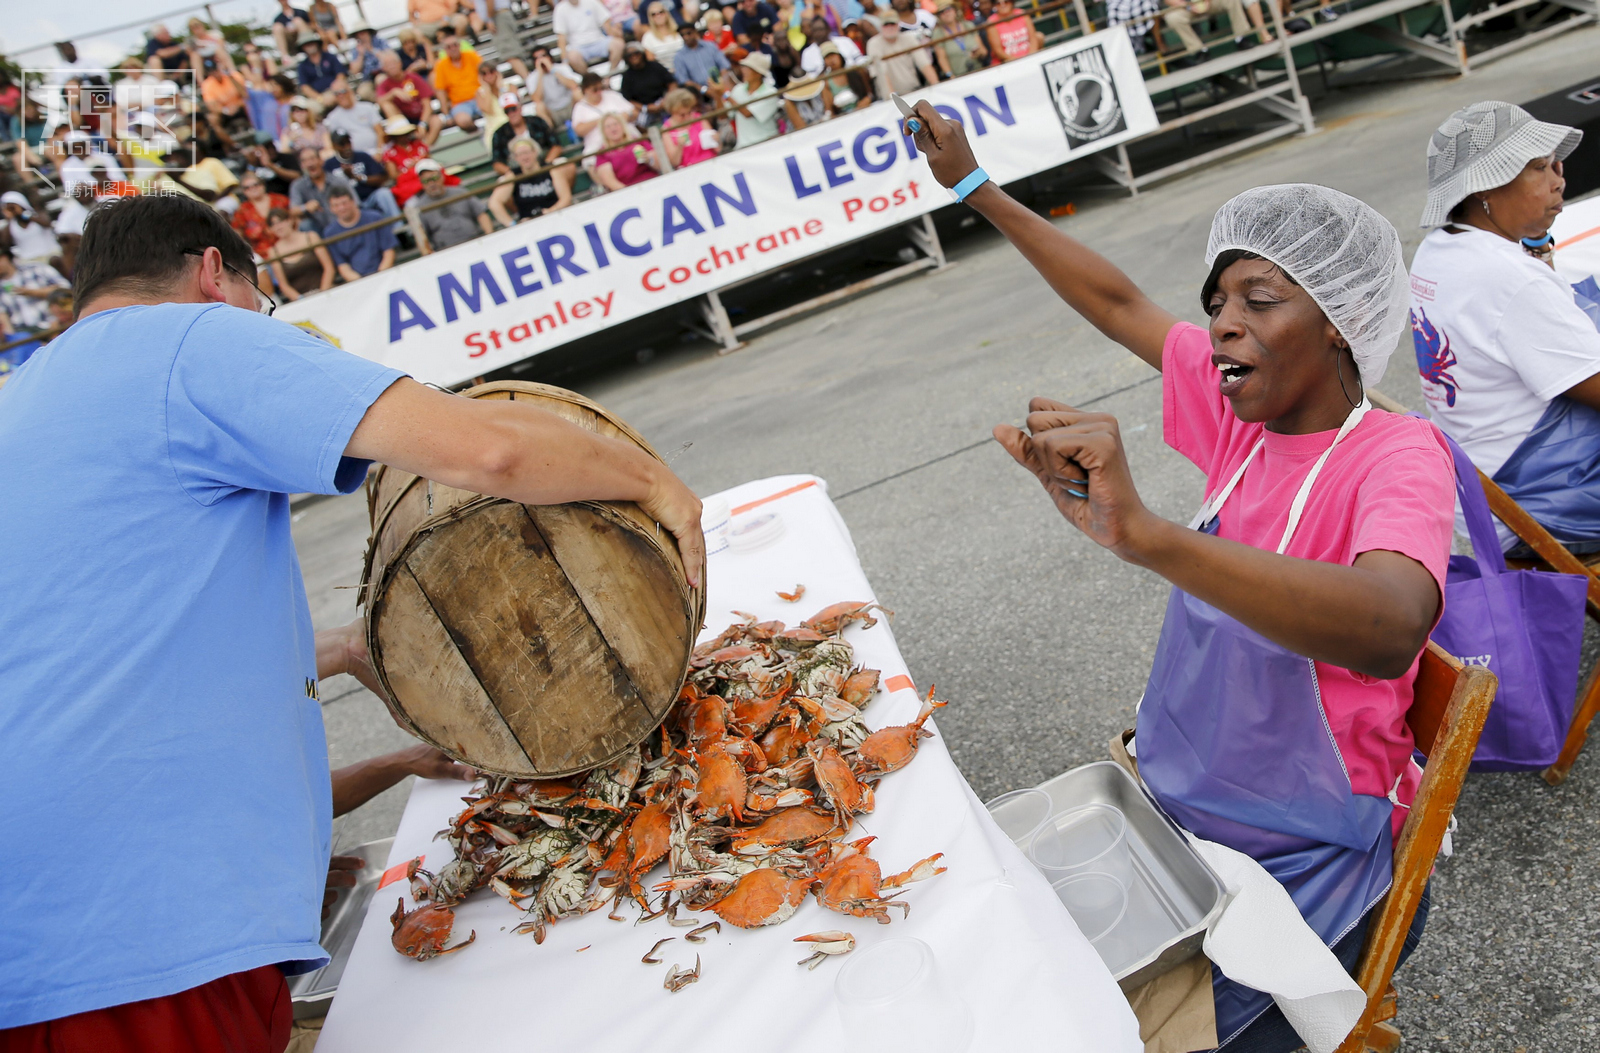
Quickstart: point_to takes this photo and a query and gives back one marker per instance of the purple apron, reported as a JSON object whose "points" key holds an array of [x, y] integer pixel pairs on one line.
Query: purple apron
{"points": [[1233, 742], [1554, 473]]}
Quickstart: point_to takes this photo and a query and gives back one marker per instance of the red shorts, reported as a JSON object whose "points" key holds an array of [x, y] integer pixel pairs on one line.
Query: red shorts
{"points": [[245, 1012]]}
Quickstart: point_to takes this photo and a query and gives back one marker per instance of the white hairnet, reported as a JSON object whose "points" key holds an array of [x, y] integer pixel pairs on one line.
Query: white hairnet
{"points": [[1484, 146], [1340, 250]]}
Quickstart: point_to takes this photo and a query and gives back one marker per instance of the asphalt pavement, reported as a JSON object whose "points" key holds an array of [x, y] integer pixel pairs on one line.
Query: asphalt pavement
{"points": [[1040, 639]]}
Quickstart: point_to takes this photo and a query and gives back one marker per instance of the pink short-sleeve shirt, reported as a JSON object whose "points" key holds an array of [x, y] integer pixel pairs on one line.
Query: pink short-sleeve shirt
{"points": [[1389, 485]]}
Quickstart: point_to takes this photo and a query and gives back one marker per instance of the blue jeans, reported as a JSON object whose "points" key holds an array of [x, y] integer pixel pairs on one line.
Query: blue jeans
{"points": [[382, 202], [1270, 1032]]}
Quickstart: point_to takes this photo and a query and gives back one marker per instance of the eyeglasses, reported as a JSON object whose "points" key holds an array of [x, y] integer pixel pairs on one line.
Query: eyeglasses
{"points": [[265, 304]]}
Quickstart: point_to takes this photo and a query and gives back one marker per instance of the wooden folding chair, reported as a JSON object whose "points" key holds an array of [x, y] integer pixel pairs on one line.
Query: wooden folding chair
{"points": [[1450, 704], [1552, 554]]}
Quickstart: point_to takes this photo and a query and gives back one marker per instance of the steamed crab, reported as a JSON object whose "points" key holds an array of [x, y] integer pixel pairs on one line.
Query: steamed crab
{"points": [[745, 793], [422, 933]]}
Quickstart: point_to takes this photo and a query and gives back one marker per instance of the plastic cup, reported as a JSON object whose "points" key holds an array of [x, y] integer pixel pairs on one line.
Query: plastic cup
{"points": [[891, 996], [1096, 902], [1092, 839], [716, 522], [1021, 813]]}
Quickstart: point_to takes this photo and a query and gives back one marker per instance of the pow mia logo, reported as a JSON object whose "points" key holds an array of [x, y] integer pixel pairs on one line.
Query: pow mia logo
{"points": [[1085, 96]]}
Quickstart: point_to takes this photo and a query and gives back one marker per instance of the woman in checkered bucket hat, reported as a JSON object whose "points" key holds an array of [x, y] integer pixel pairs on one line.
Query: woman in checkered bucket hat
{"points": [[1508, 353]]}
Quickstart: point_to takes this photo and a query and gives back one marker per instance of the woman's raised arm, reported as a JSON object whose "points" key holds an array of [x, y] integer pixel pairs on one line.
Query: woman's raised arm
{"points": [[1086, 280]]}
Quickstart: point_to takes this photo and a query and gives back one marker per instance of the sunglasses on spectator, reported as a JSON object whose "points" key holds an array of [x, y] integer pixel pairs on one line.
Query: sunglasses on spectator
{"points": [[265, 304]]}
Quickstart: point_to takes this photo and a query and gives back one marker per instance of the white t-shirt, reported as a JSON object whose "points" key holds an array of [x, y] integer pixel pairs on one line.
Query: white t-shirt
{"points": [[360, 122], [557, 96], [581, 23], [71, 218], [811, 57], [32, 243], [1497, 336], [582, 113]]}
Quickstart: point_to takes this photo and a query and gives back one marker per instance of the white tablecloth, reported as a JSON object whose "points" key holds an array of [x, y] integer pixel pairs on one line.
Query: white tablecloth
{"points": [[1000, 936], [1577, 234]]}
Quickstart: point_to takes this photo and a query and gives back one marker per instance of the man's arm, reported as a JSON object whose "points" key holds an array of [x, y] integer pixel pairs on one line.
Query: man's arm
{"points": [[523, 454], [348, 273], [387, 260]]}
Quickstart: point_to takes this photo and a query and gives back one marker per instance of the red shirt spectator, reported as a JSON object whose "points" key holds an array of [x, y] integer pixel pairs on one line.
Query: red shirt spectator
{"points": [[401, 157], [408, 93], [250, 218]]}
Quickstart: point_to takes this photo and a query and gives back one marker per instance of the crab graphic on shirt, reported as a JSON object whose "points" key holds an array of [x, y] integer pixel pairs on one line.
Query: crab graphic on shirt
{"points": [[1434, 357]]}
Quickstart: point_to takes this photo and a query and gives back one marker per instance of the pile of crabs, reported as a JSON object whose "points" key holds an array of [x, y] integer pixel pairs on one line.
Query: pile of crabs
{"points": [[746, 792]]}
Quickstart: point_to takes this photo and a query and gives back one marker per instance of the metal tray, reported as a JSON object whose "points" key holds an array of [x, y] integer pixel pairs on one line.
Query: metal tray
{"points": [[313, 992], [1175, 896]]}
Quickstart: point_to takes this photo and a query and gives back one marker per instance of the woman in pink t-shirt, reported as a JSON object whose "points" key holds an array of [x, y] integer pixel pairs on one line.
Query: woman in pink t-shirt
{"points": [[1306, 586], [689, 139], [629, 160]]}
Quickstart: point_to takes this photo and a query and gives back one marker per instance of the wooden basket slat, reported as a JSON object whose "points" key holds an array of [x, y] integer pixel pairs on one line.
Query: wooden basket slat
{"points": [[620, 587], [445, 703]]}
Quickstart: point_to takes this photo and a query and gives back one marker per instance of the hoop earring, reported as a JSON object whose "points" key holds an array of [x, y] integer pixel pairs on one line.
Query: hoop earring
{"points": [[1338, 369]]}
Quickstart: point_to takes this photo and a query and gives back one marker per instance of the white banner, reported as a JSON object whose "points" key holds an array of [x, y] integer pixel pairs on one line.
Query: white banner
{"points": [[467, 310]]}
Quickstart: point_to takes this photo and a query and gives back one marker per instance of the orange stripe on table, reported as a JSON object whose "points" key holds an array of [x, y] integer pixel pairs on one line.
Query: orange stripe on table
{"points": [[396, 872], [1591, 232], [741, 509], [899, 683]]}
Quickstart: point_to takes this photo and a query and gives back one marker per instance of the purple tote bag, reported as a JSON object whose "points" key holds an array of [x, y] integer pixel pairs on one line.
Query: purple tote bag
{"points": [[1526, 626]]}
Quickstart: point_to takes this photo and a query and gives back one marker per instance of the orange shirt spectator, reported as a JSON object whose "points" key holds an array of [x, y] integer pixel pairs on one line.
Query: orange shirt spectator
{"points": [[457, 80], [223, 92]]}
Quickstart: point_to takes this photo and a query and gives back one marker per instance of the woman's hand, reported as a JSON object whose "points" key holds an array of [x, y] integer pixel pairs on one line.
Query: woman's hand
{"points": [[1078, 459], [945, 144]]}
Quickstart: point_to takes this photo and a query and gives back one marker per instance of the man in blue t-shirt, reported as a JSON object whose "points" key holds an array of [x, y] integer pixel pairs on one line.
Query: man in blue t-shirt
{"points": [[160, 668], [361, 254]]}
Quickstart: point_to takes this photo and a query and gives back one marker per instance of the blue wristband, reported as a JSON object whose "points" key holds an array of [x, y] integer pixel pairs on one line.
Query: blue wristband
{"points": [[963, 189]]}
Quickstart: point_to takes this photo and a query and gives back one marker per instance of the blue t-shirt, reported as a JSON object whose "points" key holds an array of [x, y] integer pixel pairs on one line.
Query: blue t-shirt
{"points": [[362, 251], [158, 723], [695, 64]]}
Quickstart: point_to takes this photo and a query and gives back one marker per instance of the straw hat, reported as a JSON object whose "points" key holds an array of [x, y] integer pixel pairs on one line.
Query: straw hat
{"points": [[307, 37], [804, 92], [759, 62], [398, 126], [828, 48], [1484, 146]]}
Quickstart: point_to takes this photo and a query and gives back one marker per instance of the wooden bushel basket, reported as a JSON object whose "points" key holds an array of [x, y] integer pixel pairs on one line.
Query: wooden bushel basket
{"points": [[529, 640]]}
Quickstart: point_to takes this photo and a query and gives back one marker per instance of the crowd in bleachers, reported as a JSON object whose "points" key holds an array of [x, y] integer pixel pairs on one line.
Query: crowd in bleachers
{"points": [[313, 128], [317, 136]]}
